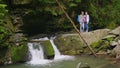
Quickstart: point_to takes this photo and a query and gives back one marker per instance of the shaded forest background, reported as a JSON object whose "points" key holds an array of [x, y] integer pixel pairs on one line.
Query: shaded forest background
{"points": [[45, 16], [22, 19]]}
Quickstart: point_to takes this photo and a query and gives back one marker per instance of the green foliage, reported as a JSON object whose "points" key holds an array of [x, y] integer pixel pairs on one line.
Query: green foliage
{"points": [[48, 17], [112, 25], [100, 45], [21, 1], [52, 7], [47, 14], [2, 29], [103, 14], [110, 39], [97, 44], [3, 32], [3, 11]]}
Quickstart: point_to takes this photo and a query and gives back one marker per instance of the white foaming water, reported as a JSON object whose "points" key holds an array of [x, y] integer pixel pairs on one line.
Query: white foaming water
{"points": [[37, 54], [58, 56], [45, 38]]}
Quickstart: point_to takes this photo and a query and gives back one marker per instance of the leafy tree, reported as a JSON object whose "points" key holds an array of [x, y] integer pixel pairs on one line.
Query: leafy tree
{"points": [[48, 17], [51, 18], [3, 31], [103, 13]]}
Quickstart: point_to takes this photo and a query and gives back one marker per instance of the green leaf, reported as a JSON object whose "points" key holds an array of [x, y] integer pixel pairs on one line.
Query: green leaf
{"points": [[78, 1], [72, 4], [2, 30], [3, 5]]}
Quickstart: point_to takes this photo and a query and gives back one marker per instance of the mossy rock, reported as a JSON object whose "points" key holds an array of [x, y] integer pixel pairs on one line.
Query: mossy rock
{"points": [[48, 49], [18, 53], [69, 44]]}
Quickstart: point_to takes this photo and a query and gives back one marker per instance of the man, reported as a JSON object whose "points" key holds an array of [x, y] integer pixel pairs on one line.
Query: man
{"points": [[86, 17]]}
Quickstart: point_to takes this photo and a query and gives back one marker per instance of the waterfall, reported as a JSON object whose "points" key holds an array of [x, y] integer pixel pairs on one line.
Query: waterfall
{"points": [[58, 56], [36, 54], [57, 52]]}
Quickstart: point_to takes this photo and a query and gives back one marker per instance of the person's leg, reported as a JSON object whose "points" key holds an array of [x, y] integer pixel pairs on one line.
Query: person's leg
{"points": [[83, 25], [87, 27], [80, 27]]}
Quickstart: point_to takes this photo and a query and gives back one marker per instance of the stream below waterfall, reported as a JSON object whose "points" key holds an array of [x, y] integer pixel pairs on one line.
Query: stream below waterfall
{"points": [[101, 62], [60, 61]]}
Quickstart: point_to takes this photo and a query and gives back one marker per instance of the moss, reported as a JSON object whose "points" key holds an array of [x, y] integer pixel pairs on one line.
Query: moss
{"points": [[100, 45], [18, 52], [96, 44], [49, 51], [110, 39]]}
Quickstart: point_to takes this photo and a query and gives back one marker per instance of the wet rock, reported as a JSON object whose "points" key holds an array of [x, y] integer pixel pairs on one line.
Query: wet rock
{"points": [[83, 65]]}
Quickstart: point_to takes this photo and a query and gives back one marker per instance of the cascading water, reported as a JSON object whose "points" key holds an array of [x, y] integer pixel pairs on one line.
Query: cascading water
{"points": [[37, 53], [58, 56], [57, 53]]}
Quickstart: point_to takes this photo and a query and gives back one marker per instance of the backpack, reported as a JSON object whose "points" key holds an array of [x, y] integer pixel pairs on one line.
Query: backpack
{"points": [[78, 18]]}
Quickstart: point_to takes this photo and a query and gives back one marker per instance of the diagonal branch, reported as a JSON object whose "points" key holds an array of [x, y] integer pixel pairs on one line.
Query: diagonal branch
{"points": [[76, 28]]}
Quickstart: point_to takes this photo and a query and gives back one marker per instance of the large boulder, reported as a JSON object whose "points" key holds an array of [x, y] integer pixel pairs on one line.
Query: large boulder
{"points": [[73, 44]]}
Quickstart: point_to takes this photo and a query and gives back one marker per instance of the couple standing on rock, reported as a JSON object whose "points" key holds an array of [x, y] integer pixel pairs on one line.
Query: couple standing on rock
{"points": [[83, 19]]}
